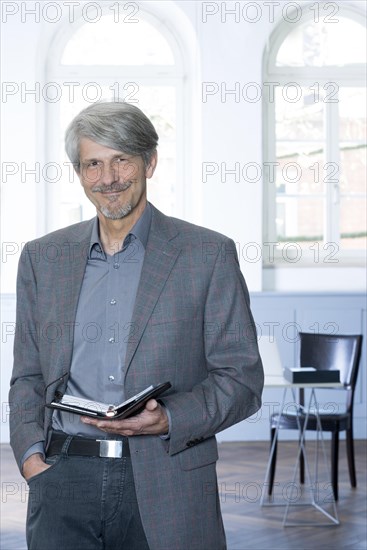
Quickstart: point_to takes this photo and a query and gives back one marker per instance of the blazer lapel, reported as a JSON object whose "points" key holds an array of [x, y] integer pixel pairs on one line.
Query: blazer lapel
{"points": [[160, 257], [69, 289]]}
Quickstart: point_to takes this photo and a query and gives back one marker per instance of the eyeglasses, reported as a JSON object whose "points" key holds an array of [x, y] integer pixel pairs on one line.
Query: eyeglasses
{"points": [[122, 166]]}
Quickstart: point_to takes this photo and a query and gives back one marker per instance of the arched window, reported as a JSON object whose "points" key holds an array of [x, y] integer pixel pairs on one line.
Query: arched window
{"points": [[315, 139], [137, 59]]}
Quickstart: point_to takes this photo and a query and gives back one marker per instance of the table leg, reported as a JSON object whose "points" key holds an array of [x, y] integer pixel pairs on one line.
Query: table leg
{"points": [[302, 450]]}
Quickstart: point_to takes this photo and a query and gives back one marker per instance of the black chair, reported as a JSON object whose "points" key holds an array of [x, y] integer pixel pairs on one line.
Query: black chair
{"points": [[325, 352]]}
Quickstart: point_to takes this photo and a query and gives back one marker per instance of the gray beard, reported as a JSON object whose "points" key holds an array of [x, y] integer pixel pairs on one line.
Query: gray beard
{"points": [[118, 214]]}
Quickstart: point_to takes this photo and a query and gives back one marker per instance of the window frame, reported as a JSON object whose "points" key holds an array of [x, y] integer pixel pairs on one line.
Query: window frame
{"points": [[348, 76]]}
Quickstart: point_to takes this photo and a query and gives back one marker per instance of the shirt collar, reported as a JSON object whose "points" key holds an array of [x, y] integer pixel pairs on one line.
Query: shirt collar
{"points": [[139, 231]]}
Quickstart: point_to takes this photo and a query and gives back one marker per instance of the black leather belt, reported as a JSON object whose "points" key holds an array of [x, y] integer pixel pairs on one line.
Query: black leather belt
{"points": [[81, 446]]}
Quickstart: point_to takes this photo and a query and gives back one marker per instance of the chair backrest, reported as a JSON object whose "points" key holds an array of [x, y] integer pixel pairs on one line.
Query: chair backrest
{"points": [[337, 351]]}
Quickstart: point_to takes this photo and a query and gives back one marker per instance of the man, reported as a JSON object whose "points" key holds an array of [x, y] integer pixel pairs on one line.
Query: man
{"points": [[104, 309]]}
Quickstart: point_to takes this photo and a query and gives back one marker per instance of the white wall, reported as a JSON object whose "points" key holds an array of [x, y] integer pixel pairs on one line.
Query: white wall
{"points": [[230, 51]]}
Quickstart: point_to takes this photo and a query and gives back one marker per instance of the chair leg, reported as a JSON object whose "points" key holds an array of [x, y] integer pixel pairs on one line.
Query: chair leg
{"points": [[350, 455], [273, 460], [334, 462]]}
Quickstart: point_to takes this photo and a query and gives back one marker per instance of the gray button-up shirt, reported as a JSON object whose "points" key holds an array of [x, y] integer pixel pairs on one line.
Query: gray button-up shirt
{"points": [[103, 324]]}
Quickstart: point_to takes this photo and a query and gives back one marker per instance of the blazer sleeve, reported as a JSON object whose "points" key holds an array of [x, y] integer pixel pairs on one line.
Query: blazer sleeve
{"points": [[232, 390], [26, 396]]}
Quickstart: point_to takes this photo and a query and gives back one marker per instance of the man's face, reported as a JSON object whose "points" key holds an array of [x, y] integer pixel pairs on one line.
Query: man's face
{"points": [[112, 180]]}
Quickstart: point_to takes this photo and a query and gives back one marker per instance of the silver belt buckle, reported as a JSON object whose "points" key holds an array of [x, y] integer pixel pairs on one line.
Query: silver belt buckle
{"points": [[110, 448]]}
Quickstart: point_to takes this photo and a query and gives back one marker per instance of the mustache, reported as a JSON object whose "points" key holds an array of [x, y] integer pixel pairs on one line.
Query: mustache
{"points": [[113, 187]]}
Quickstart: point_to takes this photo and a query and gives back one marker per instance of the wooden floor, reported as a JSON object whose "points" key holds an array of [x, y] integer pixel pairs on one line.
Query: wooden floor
{"points": [[241, 471]]}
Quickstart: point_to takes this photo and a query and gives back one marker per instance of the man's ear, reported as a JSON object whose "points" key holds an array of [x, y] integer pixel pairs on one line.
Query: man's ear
{"points": [[149, 171]]}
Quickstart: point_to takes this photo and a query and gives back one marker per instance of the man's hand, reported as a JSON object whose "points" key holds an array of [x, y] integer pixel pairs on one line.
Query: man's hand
{"points": [[34, 465], [152, 420]]}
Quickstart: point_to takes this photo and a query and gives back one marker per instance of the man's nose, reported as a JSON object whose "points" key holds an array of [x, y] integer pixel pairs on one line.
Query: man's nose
{"points": [[109, 174]]}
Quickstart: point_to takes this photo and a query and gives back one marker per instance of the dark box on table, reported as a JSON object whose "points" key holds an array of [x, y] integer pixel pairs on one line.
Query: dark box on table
{"points": [[309, 375]]}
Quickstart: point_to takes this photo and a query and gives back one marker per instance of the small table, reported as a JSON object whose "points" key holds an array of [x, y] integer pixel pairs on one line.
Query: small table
{"points": [[278, 381]]}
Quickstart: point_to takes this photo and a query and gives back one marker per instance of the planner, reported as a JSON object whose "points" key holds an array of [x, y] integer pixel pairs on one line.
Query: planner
{"points": [[95, 409]]}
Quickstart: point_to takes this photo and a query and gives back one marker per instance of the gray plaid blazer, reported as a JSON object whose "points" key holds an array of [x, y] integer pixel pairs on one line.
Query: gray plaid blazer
{"points": [[191, 325]]}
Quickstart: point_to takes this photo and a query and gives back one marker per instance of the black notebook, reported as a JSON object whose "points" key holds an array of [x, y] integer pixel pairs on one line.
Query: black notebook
{"points": [[86, 407]]}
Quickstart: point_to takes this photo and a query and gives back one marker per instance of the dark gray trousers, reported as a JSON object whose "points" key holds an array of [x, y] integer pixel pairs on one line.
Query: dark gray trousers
{"points": [[84, 503]]}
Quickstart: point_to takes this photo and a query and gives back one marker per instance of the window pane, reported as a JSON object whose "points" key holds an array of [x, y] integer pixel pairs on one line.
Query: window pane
{"points": [[107, 42], [299, 219], [159, 103], [324, 43], [352, 133], [300, 168], [300, 194], [300, 157], [353, 228], [353, 169], [352, 113], [301, 119], [353, 223]]}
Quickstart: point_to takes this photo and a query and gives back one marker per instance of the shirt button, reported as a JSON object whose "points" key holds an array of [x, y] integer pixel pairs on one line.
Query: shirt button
{"points": [[116, 266], [111, 378], [113, 302], [111, 340]]}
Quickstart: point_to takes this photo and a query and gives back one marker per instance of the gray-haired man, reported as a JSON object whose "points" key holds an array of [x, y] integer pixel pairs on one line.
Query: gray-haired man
{"points": [[137, 298]]}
